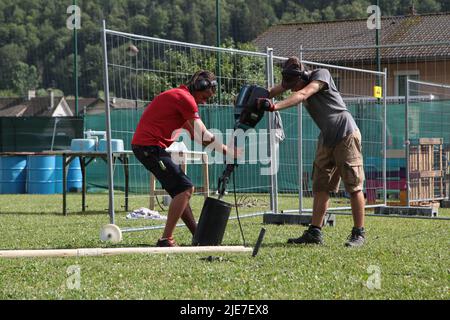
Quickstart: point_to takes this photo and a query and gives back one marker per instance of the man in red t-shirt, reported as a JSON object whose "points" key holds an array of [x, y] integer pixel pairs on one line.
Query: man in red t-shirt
{"points": [[169, 112]]}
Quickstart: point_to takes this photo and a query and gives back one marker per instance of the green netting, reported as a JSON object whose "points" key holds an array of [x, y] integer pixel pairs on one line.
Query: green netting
{"points": [[34, 134], [219, 118], [427, 119]]}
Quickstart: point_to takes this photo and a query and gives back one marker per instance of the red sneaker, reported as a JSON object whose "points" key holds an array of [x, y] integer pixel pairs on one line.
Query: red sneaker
{"points": [[166, 242]]}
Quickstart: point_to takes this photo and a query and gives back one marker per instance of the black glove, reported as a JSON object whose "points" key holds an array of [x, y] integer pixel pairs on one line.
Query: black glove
{"points": [[265, 104]]}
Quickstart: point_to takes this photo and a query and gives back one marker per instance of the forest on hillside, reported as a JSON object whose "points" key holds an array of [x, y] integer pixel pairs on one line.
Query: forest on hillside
{"points": [[37, 48]]}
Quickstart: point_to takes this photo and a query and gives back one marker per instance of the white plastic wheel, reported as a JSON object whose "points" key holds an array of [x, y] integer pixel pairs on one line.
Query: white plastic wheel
{"points": [[111, 233]]}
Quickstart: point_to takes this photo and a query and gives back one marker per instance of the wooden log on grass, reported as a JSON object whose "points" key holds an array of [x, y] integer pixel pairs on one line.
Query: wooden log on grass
{"points": [[93, 252]]}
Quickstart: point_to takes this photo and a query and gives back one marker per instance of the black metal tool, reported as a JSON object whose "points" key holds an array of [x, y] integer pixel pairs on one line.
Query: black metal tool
{"points": [[215, 212], [259, 242], [247, 116]]}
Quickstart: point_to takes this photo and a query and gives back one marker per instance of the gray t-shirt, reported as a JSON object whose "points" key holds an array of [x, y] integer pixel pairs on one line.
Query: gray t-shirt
{"points": [[329, 111]]}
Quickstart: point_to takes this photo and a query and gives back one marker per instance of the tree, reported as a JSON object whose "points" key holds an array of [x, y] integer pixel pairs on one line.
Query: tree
{"points": [[356, 9], [91, 71], [159, 19], [34, 31], [175, 26], [193, 25], [139, 24], [17, 33], [10, 56], [429, 6], [445, 6], [24, 78], [328, 14], [136, 7]]}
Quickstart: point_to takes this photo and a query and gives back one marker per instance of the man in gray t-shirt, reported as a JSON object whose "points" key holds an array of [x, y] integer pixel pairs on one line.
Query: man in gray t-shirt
{"points": [[328, 110], [338, 154]]}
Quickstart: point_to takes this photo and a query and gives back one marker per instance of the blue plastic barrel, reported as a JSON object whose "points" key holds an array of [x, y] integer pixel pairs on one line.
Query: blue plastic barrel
{"points": [[13, 175], [41, 175], [58, 174], [116, 145], [74, 175]]}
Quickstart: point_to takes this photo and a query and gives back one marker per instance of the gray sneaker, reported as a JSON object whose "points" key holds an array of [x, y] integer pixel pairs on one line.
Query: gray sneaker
{"points": [[356, 238], [309, 236]]}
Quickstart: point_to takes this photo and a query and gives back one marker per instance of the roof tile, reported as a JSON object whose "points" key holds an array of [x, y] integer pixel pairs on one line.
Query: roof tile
{"points": [[287, 39]]}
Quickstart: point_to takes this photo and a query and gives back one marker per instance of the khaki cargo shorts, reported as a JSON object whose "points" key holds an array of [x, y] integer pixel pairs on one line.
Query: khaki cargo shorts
{"points": [[342, 161]]}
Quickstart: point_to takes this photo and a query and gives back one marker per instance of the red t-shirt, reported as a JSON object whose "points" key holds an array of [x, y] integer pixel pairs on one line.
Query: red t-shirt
{"points": [[164, 116]]}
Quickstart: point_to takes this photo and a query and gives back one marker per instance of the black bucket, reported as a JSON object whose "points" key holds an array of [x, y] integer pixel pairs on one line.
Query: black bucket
{"points": [[212, 223]]}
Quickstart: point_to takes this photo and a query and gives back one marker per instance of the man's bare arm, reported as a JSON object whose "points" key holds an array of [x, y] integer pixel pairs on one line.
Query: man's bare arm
{"points": [[300, 96], [198, 132], [201, 135], [276, 91]]}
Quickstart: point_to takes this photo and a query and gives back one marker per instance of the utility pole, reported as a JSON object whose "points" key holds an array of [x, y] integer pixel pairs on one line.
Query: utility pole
{"points": [[377, 42], [75, 60], [218, 63]]}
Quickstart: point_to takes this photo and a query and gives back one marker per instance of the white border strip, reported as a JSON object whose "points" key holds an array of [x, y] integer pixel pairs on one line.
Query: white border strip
{"points": [[186, 44], [95, 252], [440, 85]]}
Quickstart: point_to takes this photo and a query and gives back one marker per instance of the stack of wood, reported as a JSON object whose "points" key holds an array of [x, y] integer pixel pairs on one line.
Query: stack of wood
{"points": [[447, 175], [426, 171]]}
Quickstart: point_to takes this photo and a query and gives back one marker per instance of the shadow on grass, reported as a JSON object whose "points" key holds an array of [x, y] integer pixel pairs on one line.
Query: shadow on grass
{"points": [[78, 213], [285, 244], [95, 245]]}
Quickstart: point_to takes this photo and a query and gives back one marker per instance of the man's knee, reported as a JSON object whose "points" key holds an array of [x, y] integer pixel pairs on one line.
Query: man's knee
{"points": [[320, 193], [189, 192], [356, 193]]}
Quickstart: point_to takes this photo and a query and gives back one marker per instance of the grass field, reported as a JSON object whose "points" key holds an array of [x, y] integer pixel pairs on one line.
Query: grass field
{"points": [[410, 256]]}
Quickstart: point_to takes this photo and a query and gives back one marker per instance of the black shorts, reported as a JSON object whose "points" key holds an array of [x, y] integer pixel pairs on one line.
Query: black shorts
{"points": [[159, 162]]}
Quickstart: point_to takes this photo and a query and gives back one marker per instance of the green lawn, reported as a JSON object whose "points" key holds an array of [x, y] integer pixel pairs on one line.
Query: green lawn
{"points": [[412, 257]]}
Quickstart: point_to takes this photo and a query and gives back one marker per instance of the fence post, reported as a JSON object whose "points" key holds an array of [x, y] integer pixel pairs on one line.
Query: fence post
{"points": [[385, 95], [272, 144], [407, 142], [300, 147], [108, 129]]}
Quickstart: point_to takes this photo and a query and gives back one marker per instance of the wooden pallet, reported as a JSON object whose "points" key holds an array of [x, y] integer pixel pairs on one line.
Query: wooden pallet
{"points": [[447, 171], [426, 170], [426, 155]]}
